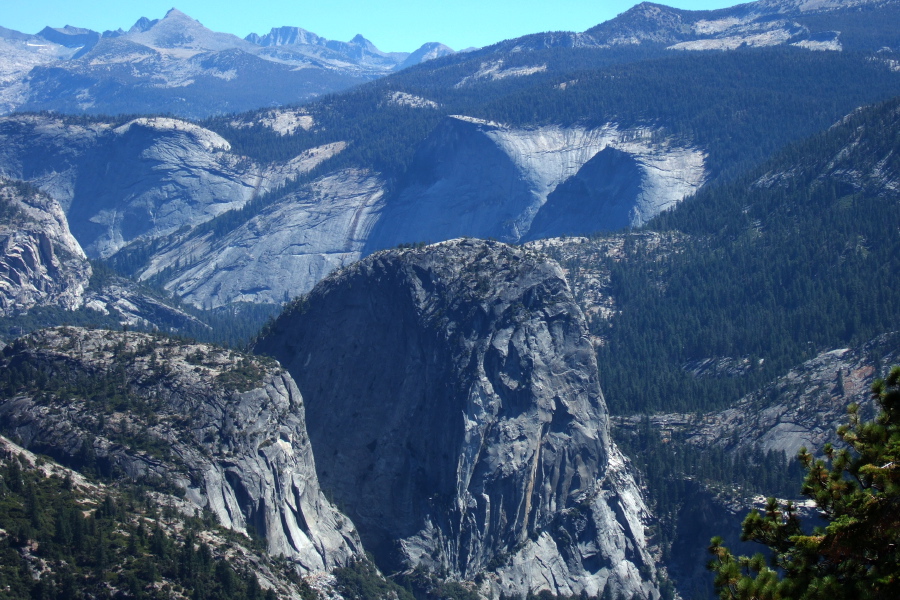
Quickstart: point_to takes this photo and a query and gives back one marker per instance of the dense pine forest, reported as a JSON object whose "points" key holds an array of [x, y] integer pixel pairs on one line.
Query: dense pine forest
{"points": [[788, 261], [91, 543]]}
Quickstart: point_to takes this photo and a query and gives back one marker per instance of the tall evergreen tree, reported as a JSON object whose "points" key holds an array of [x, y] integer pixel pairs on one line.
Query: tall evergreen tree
{"points": [[857, 490]]}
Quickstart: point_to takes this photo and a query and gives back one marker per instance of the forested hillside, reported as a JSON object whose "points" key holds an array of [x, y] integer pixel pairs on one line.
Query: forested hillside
{"points": [[792, 259], [737, 107], [66, 536], [740, 106]]}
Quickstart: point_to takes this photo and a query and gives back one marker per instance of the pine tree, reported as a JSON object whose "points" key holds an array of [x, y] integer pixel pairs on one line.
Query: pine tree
{"points": [[857, 490]]}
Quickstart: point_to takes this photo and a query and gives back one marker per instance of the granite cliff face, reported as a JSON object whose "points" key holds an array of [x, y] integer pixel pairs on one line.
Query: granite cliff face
{"points": [[454, 404], [226, 429], [803, 408], [40, 262], [178, 522], [484, 179], [142, 179], [162, 178], [43, 265], [279, 253]]}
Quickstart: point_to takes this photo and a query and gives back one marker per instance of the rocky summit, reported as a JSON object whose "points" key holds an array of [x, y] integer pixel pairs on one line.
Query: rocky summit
{"points": [[225, 431], [454, 403]]}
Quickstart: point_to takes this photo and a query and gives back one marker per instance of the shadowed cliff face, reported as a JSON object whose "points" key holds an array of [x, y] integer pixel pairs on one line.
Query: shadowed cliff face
{"points": [[454, 405], [604, 193], [479, 178]]}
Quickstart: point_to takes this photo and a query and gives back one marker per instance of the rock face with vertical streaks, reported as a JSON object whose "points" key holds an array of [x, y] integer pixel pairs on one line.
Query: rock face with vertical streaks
{"points": [[142, 179], [40, 261], [225, 429], [454, 403], [281, 252]]}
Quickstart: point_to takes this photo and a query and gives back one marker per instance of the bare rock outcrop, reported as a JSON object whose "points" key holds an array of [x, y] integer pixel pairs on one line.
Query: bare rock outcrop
{"points": [[141, 179], [40, 262], [803, 408], [455, 407], [479, 178], [226, 429], [281, 252]]}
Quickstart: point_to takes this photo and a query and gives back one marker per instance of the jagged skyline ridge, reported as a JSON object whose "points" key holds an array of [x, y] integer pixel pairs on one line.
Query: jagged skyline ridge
{"points": [[393, 26]]}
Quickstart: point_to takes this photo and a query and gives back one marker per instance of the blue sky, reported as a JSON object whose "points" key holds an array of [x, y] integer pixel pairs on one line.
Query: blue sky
{"points": [[393, 25]]}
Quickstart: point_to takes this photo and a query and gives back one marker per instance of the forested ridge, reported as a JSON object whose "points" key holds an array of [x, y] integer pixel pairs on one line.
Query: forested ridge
{"points": [[65, 540], [740, 106], [790, 260]]}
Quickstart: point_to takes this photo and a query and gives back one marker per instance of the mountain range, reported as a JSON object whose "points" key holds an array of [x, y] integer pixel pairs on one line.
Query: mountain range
{"points": [[176, 65], [519, 141], [552, 312]]}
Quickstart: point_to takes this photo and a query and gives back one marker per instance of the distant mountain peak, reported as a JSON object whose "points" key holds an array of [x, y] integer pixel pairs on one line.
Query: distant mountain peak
{"points": [[426, 52], [142, 25], [644, 7], [70, 37], [70, 30], [359, 40], [650, 12], [286, 36], [174, 13], [178, 30], [172, 16]]}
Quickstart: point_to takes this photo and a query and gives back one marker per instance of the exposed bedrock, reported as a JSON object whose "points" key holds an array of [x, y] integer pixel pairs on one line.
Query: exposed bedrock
{"points": [[484, 179], [227, 429], [40, 261], [454, 404], [145, 178]]}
